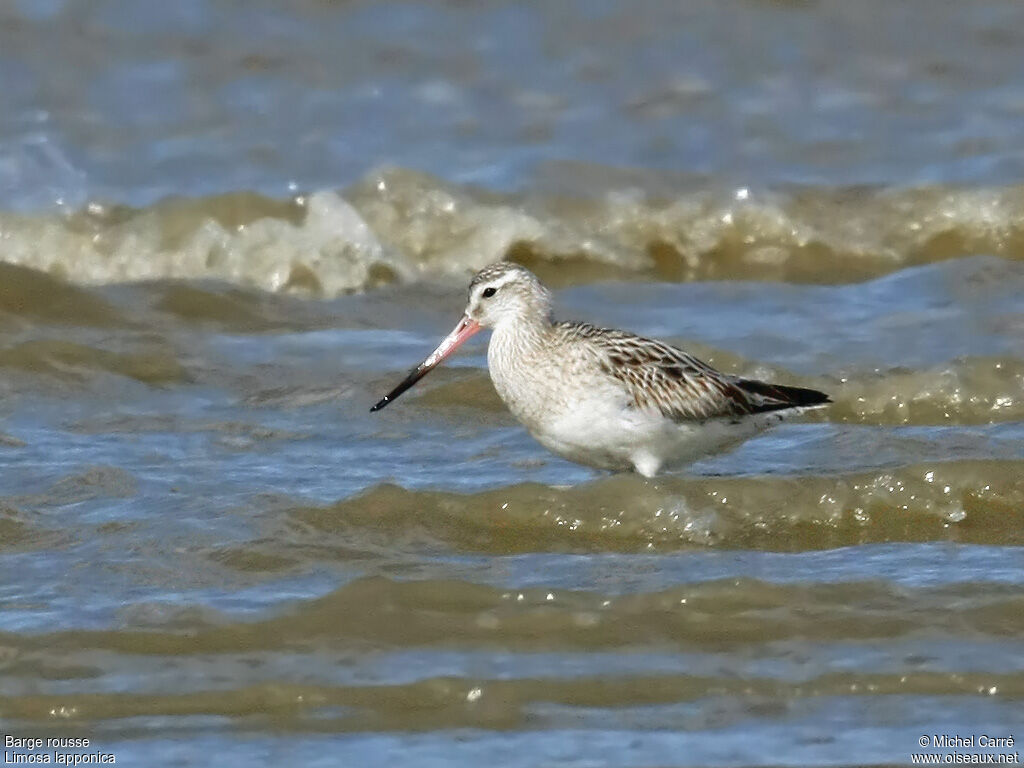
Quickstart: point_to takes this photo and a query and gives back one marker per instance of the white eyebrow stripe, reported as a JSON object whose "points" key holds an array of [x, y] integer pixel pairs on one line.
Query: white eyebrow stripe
{"points": [[501, 283]]}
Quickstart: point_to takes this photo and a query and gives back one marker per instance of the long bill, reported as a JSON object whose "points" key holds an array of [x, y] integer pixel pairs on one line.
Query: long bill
{"points": [[466, 328]]}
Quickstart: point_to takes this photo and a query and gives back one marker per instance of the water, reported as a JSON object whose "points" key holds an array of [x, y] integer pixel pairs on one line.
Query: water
{"points": [[227, 228]]}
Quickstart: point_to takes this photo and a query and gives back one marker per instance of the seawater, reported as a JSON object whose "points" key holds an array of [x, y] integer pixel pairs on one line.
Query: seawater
{"points": [[226, 228]]}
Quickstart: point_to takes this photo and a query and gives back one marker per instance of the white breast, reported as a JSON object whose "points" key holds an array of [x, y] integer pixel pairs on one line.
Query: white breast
{"points": [[566, 402], [524, 377]]}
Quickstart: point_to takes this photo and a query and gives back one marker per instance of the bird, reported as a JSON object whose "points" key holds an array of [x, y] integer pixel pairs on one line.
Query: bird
{"points": [[605, 398]]}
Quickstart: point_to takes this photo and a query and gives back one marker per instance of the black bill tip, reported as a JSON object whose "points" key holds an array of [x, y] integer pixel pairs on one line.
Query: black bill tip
{"points": [[415, 375]]}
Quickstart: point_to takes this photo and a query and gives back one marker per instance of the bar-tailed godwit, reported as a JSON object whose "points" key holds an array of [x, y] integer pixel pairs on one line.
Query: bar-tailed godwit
{"points": [[604, 398]]}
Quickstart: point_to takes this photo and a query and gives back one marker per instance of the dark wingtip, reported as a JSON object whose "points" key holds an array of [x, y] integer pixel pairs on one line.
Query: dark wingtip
{"points": [[380, 404], [800, 396], [784, 397]]}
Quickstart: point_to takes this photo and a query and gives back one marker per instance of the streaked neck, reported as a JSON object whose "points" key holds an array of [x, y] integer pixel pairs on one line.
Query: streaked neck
{"points": [[518, 340]]}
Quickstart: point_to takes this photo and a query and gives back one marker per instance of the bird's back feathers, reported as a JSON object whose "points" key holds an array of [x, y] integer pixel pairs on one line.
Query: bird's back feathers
{"points": [[659, 376]]}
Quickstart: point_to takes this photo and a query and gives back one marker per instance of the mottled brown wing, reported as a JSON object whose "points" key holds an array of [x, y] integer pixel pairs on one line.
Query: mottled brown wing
{"points": [[661, 377]]}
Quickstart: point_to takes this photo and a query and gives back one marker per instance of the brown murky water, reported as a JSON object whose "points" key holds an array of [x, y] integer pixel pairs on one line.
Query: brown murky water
{"points": [[209, 547]]}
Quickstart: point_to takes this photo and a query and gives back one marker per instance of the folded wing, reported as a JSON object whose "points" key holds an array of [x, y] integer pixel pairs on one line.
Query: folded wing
{"points": [[661, 377]]}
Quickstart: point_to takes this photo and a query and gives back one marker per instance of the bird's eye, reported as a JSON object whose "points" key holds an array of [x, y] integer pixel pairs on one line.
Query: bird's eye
{"points": [[488, 292]]}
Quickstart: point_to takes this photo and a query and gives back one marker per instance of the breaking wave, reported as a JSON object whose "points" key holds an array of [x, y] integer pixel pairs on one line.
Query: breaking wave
{"points": [[402, 226]]}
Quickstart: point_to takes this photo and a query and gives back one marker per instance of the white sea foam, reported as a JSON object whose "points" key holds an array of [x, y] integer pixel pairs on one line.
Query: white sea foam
{"points": [[403, 226]]}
